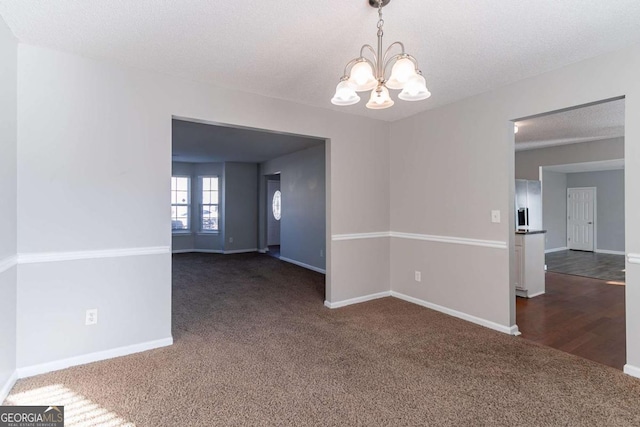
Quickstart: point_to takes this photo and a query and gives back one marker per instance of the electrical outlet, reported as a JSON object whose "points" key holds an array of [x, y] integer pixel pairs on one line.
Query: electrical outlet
{"points": [[230, 239], [418, 276], [495, 217], [321, 253], [91, 317]]}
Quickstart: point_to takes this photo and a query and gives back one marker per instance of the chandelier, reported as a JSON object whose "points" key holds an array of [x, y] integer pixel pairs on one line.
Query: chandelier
{"points": [[363, 74]]}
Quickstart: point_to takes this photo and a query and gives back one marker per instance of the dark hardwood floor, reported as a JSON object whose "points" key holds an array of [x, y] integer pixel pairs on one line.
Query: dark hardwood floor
{"points": [[590, 264], [579, 315]]}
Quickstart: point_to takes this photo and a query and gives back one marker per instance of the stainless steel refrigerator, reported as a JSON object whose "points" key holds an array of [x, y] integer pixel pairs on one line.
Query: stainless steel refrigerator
{"points": [[528, 205]]}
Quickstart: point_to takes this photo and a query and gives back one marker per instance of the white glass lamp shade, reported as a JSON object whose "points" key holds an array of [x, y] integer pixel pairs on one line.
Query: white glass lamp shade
{"points": [[402, 71], [380, 99], [362, 77], [345, 95], [415, 89]]}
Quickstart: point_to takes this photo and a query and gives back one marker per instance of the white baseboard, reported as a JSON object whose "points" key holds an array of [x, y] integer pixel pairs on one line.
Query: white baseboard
{"points": [[357, 300], [512, 330], [38, 257], [607, 251], [241, 251], [302, 264], [634, 371], [6, 387], [548, 251], [536, 294], [197, 251], [213, 251], [30, 371]]}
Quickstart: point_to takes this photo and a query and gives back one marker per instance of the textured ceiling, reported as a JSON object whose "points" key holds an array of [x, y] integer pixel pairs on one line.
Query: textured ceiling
{"points": [[600, 121], [296, 50], [202, 143]]}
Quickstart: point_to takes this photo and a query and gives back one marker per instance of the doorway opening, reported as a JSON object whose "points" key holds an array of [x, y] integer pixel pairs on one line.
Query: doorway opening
{"points": [[223, 177], [569, 247]]}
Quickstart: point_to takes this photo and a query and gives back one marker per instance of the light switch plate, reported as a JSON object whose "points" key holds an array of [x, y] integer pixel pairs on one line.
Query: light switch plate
{"points": [[495, 217]]}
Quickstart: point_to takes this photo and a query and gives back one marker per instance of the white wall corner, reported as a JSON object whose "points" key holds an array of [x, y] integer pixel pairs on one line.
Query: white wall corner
{"points": [[460, 315], [634, 371], [56, 365], [7, 386], [357, 300]]}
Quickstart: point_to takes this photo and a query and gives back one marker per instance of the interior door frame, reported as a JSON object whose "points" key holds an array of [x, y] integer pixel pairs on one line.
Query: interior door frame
{"points": [[595, 215], [269, 211]]}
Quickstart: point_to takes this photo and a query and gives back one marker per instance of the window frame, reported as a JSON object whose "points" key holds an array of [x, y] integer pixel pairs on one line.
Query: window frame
{"points": [[201, 215], [187, 205]]}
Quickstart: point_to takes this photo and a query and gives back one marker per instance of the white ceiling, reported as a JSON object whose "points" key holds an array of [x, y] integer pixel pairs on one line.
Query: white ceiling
{"points": [[296, 50], [204, 143], [594, 122]]}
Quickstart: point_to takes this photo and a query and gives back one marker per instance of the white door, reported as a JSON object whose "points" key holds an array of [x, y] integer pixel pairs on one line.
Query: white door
{"points": [[580, 218]]}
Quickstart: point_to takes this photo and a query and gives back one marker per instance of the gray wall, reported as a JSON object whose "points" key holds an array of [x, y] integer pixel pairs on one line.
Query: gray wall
{"points": [[554, 209], [463, 154], [8, 196], [84, 133], [195, 239], [528, 162], [273, 224], [610, 205], [240, 206], [303, 223], [77, 116]]}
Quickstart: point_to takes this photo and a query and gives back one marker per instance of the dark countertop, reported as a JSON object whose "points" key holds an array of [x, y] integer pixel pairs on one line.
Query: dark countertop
{"points": [[531, 231]]}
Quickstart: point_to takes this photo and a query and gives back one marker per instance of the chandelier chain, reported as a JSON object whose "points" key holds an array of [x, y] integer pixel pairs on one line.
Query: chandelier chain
{"points": [[380, 20]]}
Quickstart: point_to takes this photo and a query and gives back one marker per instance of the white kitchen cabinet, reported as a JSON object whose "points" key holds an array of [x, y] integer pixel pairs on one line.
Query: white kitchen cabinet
{"points": [[529, 264]]}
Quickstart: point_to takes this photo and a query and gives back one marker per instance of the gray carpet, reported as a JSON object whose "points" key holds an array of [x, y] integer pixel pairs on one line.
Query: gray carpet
{"points": [[255, 346]]}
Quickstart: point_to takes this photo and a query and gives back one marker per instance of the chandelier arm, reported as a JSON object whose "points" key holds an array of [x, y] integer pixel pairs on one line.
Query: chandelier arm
{"points": [[373, 52], [347, 68], [386, 53]]}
